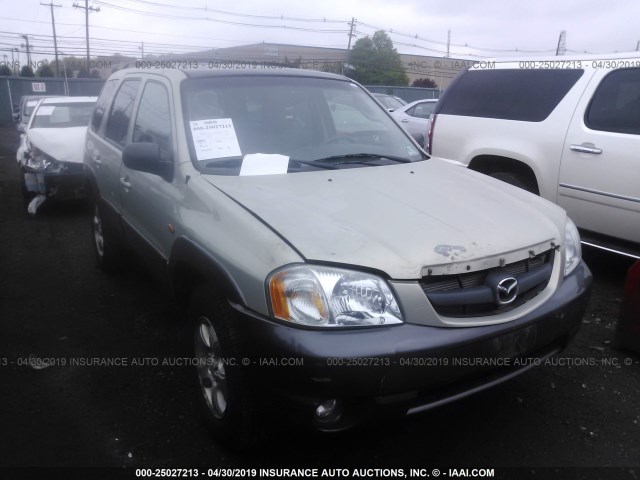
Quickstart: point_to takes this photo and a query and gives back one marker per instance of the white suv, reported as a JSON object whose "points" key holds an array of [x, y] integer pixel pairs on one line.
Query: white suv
{"points": [[565, 128]]}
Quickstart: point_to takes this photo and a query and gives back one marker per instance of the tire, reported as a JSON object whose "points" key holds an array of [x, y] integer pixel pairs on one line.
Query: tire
{"points": [[109, 255], [514, 179], [224, 392]]}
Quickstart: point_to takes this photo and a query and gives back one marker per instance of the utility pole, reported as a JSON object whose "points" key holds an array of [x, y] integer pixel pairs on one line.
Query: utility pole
{"points": [[448, 43], [638, 46], [26, 39], [352, 25], [87, 9], [55, 40], [142, 48]]}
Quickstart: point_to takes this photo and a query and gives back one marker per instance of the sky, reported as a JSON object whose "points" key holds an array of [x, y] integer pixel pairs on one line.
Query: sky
{"points": [[495, 28]]}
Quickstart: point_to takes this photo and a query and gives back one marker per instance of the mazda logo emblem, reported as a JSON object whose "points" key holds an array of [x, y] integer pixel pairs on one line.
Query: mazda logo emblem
{"points": [[506, 290]]}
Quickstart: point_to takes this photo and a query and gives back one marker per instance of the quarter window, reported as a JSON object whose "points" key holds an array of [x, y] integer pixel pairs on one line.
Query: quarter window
{"points": [[615, 106], [423, 110], [508, 94], [153, 122], [118, 121]]}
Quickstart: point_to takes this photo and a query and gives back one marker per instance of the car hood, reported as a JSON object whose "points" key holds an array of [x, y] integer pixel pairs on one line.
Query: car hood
{"points": [[403, 219], [63, 144]]}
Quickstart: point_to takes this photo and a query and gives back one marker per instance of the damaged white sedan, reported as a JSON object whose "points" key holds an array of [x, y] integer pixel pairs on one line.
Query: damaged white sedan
{"points": [[51, 154]]}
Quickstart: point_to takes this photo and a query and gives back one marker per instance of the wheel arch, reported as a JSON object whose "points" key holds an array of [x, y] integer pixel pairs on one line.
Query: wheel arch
{"points": [[489, 164], [191, 266]]}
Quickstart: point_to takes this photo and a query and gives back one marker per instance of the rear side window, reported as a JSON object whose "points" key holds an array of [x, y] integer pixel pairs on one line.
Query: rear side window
{"points": [[103, 103], [153, 122], [615, 106], [422, 110], [120, 115], [513, 94]]}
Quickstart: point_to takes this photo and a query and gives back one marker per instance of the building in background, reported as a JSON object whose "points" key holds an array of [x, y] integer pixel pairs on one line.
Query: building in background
{"points": [[441, 70]]}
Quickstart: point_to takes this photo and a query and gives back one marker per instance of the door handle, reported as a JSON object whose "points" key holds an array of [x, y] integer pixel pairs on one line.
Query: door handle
{"points": [[124, 181], [97, 161], [586, 148], [404, 120]]}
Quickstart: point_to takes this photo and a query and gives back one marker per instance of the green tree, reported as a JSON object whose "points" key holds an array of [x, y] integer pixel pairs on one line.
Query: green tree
{"points": [[292, 63], [376, 62], [45, 71], [27, 71], [424, 83], [83, 72], [5, 70]]}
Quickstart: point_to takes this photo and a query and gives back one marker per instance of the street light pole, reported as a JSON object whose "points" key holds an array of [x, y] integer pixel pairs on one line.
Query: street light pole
{"points": [[18, 55], [26, 39]]}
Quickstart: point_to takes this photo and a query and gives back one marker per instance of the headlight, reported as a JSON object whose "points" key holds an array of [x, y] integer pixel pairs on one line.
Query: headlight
{"points": [[572, 247], [332, 297], [41, 162]]}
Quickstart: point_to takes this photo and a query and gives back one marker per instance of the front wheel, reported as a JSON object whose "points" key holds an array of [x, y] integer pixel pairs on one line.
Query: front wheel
{"points": [[224, 392]]}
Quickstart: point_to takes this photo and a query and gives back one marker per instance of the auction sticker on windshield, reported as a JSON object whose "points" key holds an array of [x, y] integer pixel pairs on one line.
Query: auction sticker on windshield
{"points": [[214, 138]]}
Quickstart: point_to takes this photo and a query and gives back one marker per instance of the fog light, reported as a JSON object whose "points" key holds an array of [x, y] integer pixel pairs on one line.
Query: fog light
{"points": [[327, 409]]}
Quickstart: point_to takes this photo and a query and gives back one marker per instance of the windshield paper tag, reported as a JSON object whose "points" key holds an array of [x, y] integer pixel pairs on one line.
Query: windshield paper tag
{"points": [[215, 138], [45, 110], [264, 164]]}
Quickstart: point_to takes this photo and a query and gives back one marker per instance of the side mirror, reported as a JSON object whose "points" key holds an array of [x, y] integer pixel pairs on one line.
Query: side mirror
{"points": [[145, 157]]}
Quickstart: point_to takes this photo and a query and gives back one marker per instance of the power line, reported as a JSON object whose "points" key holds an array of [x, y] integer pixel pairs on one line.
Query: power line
{"points": [[243, 15], [228, 22]]}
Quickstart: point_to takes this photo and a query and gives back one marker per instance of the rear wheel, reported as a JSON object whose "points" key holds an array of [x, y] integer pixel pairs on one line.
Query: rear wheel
{"points": [[225, 397], [109, 256]]}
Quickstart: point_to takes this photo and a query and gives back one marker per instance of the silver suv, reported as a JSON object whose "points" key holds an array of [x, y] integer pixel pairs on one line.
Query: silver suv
{"points": [[328, 267]]}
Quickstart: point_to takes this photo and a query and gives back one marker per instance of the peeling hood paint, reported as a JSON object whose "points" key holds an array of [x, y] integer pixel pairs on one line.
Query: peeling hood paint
{"points": [[402, 219], [63, 144]]}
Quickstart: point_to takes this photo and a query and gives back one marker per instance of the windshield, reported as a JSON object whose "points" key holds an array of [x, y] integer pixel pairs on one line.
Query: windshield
{"points": [[278, 124], [63, 115]]}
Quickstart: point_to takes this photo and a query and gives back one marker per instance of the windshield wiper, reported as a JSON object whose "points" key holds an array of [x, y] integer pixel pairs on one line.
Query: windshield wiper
{"points": [[234, 162], [313, 163], [359, 157]]}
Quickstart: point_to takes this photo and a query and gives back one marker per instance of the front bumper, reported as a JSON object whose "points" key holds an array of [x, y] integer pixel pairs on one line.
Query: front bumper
{"points": [[63, 186], [407, 368]]}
